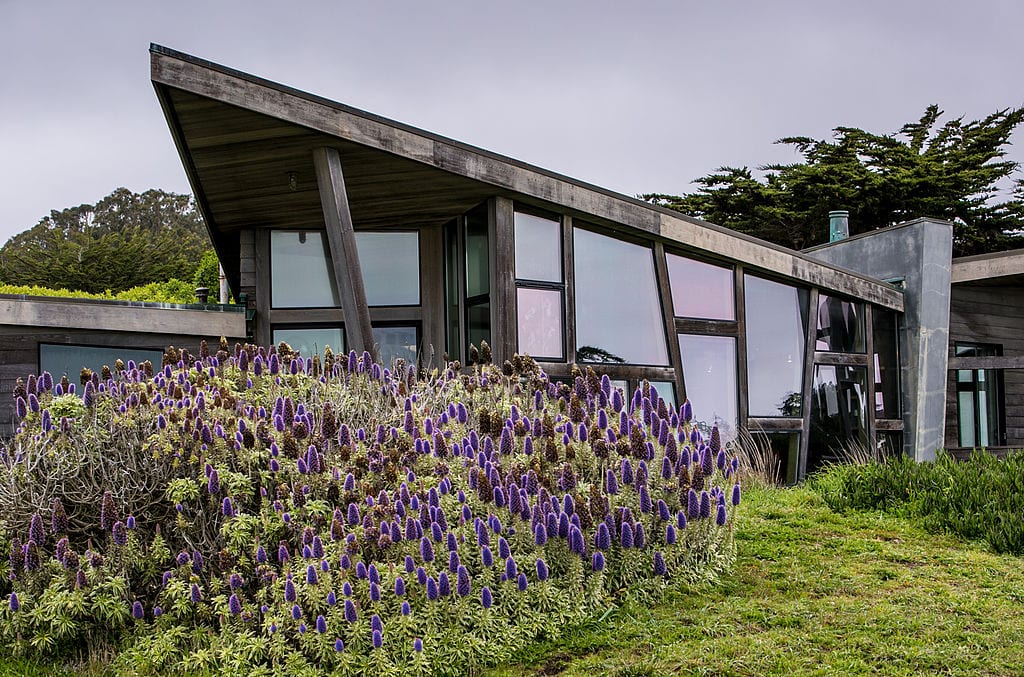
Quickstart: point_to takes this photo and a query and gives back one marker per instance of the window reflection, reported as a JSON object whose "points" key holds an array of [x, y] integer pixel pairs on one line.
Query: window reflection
{"points": [[396, 342], [60, 359], [886, 364], [539, 322], [390, 264], [701, 289], [618, 312], [709, 373], [776, 316], [478, 324], [840, 325], [301, 275], [538, 248], [780, 452], [451, 284], [310, 341], [477, 262], [838, 415], [667, 391]]}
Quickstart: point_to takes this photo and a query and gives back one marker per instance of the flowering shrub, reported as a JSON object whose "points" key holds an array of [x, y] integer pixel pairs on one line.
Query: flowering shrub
{"points": [[257, 508]]}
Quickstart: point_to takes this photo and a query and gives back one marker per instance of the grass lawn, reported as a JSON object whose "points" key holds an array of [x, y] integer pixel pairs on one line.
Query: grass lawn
{"points": [[815, 592]]}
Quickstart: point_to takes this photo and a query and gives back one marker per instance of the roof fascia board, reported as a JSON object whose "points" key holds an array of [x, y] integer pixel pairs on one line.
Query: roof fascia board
{"points": [[216, 82]]}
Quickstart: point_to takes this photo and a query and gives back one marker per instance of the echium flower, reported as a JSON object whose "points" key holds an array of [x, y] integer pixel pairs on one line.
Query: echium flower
{"points": [[13, 602], [120, 533], [659, 564], [234, 605], [707, 461], [444, 587], [213, 482], [720, 516], [350, 611], [227, 509], [670, 534], [486, 598], [35, 529], [645, 499], [296, 612], [431, 588], [626, 535], [736, 494], [693, 504], [705, 505], [108, 511], [639, 536], [597, 562], [195, 594], [510, 569], [576, 541], [138, 613]]}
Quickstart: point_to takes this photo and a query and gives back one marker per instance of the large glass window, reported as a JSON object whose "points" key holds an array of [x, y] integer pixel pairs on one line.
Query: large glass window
{"points": [[390, 263], [701, 290], [478, 281], [709, 373], [310, 341], [776, 454], [840, 325], [538, 248], [60, 358], [886, 363], [451, 293], [301, 275], [539, 322], [396, 342], [838, 415], [979, 399], [667, 391], [776, 316], [618, 310]]}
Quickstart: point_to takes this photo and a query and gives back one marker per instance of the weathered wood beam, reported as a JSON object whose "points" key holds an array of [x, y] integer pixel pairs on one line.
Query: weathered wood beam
{"points": [[341, 236], [987, 362]]}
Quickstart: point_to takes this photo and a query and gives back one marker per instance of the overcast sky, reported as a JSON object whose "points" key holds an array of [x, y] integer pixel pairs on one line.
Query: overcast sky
{"points": [[632, 96]]}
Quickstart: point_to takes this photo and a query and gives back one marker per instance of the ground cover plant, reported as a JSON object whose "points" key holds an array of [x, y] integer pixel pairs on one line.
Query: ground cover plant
{"points": [[256, 510], [980, 498]]}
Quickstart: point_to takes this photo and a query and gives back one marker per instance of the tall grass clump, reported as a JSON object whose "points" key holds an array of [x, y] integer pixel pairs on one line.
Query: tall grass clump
{"points": [[978, 498], [255, 511]]}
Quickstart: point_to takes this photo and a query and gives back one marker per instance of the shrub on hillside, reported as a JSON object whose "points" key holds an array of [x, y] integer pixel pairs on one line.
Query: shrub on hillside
{"points": [[255, 509], [980, 498]]}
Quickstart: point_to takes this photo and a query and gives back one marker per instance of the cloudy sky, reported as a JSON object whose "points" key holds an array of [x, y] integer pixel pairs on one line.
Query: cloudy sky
{"points": [[633, 96]]}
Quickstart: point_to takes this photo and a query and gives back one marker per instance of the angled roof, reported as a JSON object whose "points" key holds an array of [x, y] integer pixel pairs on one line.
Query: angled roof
{"points": [[241, 137]]}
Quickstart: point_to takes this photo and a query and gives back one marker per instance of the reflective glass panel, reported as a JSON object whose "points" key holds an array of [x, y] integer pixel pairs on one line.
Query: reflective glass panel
{"points": [[301, 275], [838, 415], [890, 443], [390, 263], [709, 373], [538, 248], [886, 364], [840, 325], [776, 454], [477, 263], [618, 311], [776, 317], [701, 289], [539, 322], [478, 323], [667, 391], [451, 283], [60, 359], [310, 341], [980, 404], [396, 342], [620, 384]]}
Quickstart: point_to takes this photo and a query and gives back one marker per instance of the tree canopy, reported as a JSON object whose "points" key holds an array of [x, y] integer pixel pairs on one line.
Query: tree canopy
{"points": [[956, 171], [125, 240]]}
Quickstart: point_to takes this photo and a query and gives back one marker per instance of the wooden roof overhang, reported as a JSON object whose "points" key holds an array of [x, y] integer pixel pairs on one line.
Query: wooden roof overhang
{"points": [[242, 138]]}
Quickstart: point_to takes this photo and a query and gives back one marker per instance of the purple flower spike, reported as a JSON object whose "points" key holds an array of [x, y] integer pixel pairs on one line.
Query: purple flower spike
{"points": [[597, 564], [426, 550], [289, 591], [120, 533], [339, 645], [444, 587], [406, 609], [542, 570], [486, 598], [720, 517], [332, 599], [736, 494], [138, 613], [399, 587], [626, 535], [234, 605], [296, 612], [196, 595], [705, 505], [350, 611], [487, 557], [510, 568], [540, 534], [659, 564], [321, 624], [602, 540], [521, 582], [213, 483], [13, 602], [431, 588], [639, 536], [311, 575], [463, 586], [226, 508], [670, 535], [417, 645], [378, 639], [692, 505]]}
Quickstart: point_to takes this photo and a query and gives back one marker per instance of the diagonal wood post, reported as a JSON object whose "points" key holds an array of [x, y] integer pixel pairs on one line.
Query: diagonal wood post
{"points": [[341, 236]]}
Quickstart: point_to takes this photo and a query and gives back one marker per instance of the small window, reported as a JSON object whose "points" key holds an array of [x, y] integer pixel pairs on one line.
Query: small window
{"points": [[310, 341], [709, 373], [538, 248], [840, 325], [776, 317], [60, 358], [701, 290], [396, 342], [390, 264], [886, 363], [979, 399], [539, 321], [301, 274]]}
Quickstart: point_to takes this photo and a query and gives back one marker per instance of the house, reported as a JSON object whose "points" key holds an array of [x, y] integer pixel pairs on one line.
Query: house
{"points": [[343, 228]]}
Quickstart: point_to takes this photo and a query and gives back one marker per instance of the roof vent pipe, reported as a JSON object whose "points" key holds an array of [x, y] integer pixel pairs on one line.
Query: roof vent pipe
{"points": [[838, 225]]}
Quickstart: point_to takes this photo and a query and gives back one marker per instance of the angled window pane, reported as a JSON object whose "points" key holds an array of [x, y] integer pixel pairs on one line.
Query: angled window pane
{"points": [[478, 324], [709, 373], [618, 310], [478, 268], [310, 341], [301, 275], [390, 263], [701, 289], [838, 415], [538, 248], [776, 317], [451, 285], [539, 323], [886, 364], [60, 359], [396, 342], [667, 391], [840, 325]]}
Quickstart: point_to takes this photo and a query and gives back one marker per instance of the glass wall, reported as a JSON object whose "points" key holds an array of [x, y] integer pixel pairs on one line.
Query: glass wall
{"points": [[310, 341], [701, 290], [776, 317], [667, 391], [839, 422], [886, 363], [61, 358], [478, 280], [618, 310], [390, 264], [452, 294], [301, 275], [709, 372], [540, 288], [979, 399], [840, 325], [394, 342]]}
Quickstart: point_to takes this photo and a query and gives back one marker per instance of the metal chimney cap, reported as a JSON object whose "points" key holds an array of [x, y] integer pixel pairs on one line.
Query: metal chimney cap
{"points": [[839, 213]]}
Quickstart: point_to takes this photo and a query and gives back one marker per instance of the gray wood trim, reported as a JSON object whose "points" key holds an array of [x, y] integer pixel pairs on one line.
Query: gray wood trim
{"points": [[888, 424], [769, 424], [569, 276], [992, 362], [688, 325], [841, 359], [396, 314], [741, 348], [238, 89], [809, 353], [341, 236], [431, 296], [504, 334], [668, 312], [306, 316], [264, 318]]}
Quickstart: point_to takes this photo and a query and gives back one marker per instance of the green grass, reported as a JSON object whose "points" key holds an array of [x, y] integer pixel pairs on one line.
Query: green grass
{"points": [[816, 593]]}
